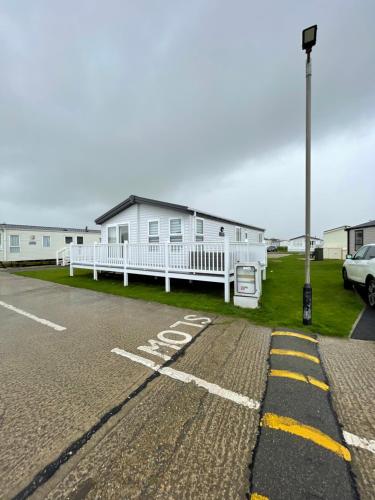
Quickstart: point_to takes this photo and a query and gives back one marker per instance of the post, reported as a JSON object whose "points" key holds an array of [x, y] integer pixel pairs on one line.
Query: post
{"points": [[94, 259], [307, 290], [226, 270], [6, 245], [126, 275], [166, 261], [71, 270]]}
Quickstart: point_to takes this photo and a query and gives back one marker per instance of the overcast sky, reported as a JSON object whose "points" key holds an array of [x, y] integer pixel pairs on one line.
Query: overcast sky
{"points": [[194, 102]]}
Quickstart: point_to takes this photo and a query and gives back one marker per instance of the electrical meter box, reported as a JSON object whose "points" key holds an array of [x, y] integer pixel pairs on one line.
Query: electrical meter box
{"points": [[247, 284]]}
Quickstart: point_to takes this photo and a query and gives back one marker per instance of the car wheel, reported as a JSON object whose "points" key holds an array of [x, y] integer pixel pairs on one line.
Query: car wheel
{"points": [[371, 292], [347, 283]]}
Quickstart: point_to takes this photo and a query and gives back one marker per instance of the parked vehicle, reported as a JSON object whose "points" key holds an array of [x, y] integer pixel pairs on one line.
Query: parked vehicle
{"points": [[359, 269], [272, 248]]}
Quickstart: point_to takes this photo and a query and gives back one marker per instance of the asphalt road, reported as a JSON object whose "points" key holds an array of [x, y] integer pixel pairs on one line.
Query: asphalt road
{"points": [[84, 412], [169, 436]]}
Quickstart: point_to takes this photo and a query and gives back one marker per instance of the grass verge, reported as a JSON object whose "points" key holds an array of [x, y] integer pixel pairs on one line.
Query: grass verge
{"points": [[334, 309]]}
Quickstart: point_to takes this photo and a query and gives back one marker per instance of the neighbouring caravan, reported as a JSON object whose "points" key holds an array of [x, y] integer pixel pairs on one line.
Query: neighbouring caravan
{"points": [[335, 243], [20, 243]]}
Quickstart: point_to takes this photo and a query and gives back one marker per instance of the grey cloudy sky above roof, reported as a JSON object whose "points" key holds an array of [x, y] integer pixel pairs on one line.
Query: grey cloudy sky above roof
{"points": [[199, 103]]}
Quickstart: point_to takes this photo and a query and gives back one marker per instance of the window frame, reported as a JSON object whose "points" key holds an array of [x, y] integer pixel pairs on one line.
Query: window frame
{"points": [[176, 235], [115, 227], [356, 245], [120, 224], [79, 236], [149, 236], [199, 237], [12, 247], [235, 234], [68, 242], [49, 241], [1, 240]]}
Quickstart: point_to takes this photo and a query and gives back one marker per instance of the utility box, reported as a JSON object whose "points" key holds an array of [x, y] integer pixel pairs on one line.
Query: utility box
{"points": [[247, 284], [319, 254]]}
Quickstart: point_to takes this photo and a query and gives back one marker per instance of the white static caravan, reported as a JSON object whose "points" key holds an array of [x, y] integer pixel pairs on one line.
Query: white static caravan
{"points": [[144, 236], [39, 243], [141, 220], [335, 243], [298, 244]]}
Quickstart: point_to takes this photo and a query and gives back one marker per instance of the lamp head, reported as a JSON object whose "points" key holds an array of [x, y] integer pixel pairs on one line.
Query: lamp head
{"points": [[309, 38]]}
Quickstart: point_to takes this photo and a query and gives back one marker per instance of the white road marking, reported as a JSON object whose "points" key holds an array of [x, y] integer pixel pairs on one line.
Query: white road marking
{"points": [[351, 439], [32, 316], [188, 378], [358, 442]]}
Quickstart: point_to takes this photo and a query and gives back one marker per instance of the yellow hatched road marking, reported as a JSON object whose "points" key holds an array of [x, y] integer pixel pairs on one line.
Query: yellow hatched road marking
{"points": [[298, 354], [294, 334], [296, 428], [300, 377], [256, 496]]}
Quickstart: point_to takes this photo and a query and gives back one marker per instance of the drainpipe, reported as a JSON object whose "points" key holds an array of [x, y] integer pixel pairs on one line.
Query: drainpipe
{"points": [[5, 244], [348, 243]]}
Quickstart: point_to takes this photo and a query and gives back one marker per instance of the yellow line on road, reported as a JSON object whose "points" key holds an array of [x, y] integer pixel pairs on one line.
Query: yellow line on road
{"points": [[256, 496], [300, 377], [298, 354], [296, 428], [294, 334]]}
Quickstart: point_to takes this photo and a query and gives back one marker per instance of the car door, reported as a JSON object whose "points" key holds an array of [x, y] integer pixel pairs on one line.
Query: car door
{"points": [[356, 265], [363, 266]]}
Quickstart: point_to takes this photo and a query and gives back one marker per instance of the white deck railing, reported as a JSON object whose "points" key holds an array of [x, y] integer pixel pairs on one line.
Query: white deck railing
{"points": [[172, 259], [63, 256]]}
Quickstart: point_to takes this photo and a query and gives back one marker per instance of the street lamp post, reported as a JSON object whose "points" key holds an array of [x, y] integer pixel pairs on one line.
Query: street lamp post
{"points": [[308, 42]]}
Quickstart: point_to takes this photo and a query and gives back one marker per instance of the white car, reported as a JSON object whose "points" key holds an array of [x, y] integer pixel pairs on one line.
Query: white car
{"points": [[359, 269]]}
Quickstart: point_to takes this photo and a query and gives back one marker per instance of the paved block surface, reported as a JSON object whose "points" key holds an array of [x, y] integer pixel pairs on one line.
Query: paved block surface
{"points": [[350, 368]]}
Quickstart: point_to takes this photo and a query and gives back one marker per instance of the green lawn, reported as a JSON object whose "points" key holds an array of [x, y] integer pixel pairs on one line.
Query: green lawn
{"points": [[334, 309]]}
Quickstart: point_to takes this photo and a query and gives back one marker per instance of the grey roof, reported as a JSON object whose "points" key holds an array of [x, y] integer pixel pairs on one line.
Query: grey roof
{"points": [[303, 236], [370, 223], [47, 228], [181, 208], [335, 229]]}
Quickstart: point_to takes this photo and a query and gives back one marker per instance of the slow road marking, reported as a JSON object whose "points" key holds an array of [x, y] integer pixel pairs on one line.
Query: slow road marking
{"points": [[300, 377], [294, 334], [286, 424], [45, 322], [297, 354], [188, 378]]}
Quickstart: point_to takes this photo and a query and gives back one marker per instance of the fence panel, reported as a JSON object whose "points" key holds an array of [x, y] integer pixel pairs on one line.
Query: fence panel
{"points": [[247, 252], [146, 256], [192, 257], [196, 257]]}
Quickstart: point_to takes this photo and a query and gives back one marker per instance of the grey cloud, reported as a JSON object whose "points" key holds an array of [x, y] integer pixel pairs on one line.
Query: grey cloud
{"points": [[103, 99]]}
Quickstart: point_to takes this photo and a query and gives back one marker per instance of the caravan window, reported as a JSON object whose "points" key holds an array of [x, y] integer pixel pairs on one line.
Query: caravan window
{"points": [[199, 230], [358, 238], [46, 241], [112, 236], [175, 230], [14, 243], [153, 231]]}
